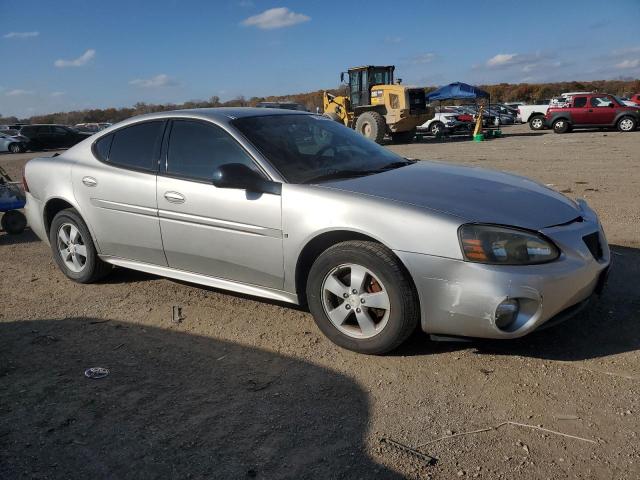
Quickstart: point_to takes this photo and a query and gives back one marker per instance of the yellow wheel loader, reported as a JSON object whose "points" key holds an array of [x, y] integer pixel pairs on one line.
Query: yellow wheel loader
{"points": [[375, 105]]}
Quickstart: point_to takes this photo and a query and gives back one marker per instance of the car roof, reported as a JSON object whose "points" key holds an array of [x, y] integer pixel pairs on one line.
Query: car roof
{"points": [[218, 114]]}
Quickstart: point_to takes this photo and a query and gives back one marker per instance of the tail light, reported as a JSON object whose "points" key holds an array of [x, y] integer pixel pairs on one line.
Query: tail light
{"points": [[25, 185]]}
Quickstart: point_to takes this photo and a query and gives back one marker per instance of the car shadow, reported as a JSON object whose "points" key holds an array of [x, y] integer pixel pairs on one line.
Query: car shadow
{"points": [[524, 134], [25, 237], [608, 326], [174, 405]]}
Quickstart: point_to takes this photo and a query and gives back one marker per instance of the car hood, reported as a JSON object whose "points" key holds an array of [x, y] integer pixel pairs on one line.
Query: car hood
{"points": [[473, 194]]}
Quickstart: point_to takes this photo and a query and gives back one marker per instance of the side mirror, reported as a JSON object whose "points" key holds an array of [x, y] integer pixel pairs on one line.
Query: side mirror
{"points": [[341, 77], [612, 105], [239, 176]]}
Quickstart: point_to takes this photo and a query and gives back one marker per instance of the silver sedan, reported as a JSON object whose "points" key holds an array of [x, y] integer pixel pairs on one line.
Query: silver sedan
{"points": [[293, 207]]}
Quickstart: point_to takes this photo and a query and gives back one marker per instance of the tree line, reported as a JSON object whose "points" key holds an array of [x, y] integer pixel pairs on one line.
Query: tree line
{"points": [[502, 92]]}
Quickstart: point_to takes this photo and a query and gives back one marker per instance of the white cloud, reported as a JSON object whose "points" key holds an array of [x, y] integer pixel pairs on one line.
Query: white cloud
{"points": [[21, 34], [275, 18], [503, 60], [77, 62], [393, 40], [424, 58], [161, 80], [57, 94], [18, 92], [629, 64]]}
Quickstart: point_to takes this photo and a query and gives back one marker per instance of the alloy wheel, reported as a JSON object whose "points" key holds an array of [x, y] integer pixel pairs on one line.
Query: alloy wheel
{"points": [[71, 247], [355, 301], [626, 124]]}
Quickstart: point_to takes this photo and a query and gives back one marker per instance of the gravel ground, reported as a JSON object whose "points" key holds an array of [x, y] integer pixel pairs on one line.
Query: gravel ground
{"points": [[243, 388]]}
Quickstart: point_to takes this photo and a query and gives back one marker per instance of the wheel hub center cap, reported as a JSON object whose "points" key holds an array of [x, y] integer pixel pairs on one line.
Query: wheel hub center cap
{"points": [[354, 300]]}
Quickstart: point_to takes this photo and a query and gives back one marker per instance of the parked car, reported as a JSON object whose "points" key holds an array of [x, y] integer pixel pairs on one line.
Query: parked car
{"points": [[593, 110], [635, 99], [533, 115], [52, 136], [448, 121], [294, 207], [12, 143]]}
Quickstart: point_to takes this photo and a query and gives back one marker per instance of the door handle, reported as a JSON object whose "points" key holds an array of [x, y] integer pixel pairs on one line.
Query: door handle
{"points": [[174, 197], [89, 181]]}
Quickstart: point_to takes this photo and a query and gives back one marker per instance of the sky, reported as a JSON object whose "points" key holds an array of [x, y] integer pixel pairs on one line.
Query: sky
{"points": [[78, 54]]}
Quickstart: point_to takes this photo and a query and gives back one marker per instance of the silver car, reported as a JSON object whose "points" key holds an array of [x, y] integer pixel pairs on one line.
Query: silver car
{"points": [[12, 143], [293, 207]]}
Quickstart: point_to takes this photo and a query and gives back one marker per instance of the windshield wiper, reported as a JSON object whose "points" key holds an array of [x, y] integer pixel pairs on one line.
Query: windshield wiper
{"points": [[398, 164], [341, 174]]}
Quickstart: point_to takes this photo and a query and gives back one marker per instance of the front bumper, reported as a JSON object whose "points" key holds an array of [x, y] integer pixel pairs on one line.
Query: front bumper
{"points": [[459, 298]]}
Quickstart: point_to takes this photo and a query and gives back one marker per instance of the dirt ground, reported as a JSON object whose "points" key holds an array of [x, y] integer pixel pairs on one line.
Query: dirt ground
{"points": [[243, 388]]}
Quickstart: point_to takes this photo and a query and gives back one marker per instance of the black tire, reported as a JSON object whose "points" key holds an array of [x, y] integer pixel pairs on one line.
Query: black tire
{"points": [[626, 124], [404, 311], [94, 269], [333, 116], [13, 222], [536, 122], [404, 137], [561, 125], [436, 128], [16, 148], [372, 125]]}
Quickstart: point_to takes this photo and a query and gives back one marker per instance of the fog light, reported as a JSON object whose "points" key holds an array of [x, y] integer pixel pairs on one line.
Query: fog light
{"points": [[506, 313]]}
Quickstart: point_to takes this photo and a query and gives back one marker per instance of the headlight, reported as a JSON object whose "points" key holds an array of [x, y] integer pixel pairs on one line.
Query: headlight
{"points": [[505, 246]]}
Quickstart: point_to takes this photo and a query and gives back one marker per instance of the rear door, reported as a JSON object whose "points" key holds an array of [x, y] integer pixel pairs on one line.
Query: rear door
{"points": [[44, 137], [117, 192], [602, 110], [580, 110], [220, 232]]}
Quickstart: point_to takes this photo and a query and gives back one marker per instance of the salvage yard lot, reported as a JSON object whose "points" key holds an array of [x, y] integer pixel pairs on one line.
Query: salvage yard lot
{"points": [[243, 388]]}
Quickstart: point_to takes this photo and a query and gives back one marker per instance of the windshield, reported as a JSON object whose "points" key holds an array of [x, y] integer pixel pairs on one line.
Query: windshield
{"points": [[309, 148]]}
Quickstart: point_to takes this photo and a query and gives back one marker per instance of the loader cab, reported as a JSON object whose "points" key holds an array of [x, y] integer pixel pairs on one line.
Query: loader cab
{"points": [[361, 79]]}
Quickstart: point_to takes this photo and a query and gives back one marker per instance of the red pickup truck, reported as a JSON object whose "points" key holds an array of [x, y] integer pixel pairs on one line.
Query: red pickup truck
{"points": [[593, 110]]}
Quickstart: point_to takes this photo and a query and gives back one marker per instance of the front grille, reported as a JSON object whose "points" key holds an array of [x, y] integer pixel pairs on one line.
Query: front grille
{"points": [[593, 244], [417, 101]]}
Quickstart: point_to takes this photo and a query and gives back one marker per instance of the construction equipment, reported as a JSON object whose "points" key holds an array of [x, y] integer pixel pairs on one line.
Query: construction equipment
{"points": [[376, 105]]}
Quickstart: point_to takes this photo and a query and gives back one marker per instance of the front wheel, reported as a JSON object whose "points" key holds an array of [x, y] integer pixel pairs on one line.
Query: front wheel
{"points": [[361, 297], [436, 128], [372, 125], [561, 126], [73, 249], [626, 124]]}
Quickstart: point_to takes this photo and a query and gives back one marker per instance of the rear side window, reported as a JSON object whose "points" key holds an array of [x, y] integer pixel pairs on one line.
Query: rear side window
{"points": [[136, 147], [102, 147], [196, 149], [580, 102]]}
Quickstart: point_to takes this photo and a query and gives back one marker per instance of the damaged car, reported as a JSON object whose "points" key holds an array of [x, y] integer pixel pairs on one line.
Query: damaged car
{"points": [[293, 207]]}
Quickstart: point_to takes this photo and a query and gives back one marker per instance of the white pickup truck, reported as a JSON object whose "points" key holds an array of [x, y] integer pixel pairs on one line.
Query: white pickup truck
{"points": [[534, 114]]}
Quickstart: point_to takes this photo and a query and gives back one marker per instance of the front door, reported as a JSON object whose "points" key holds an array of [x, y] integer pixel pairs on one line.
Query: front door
{"points": [[220, 232], [602, 110], [117, 192]]}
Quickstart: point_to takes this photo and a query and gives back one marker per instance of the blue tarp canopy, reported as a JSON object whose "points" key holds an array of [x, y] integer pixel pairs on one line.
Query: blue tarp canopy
{"points": [[457, 91]]}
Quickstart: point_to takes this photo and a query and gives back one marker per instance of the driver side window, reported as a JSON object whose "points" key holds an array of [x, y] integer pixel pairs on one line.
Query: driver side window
{"points": [[196, 149], [600, 102]]}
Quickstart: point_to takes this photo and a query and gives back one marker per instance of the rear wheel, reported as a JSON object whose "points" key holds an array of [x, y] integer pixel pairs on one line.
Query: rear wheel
{"points": [[13, 222], [361, 298], [536, 123], [372, 125], [626, 124], [404, 137], [73, 248], [561, 126]]}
